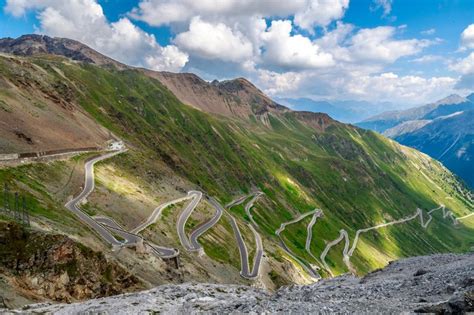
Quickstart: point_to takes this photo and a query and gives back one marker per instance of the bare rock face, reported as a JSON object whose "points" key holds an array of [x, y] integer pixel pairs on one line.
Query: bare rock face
{"points": [[237, 98], [45, 266], [33, 44], [442, 284]]}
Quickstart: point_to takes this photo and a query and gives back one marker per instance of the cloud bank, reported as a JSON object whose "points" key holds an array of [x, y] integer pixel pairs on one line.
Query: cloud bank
{"points": [[299, 48]]}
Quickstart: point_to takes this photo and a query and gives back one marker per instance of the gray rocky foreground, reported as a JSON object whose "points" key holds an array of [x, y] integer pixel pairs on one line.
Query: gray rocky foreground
{"points": [[434, 284]]}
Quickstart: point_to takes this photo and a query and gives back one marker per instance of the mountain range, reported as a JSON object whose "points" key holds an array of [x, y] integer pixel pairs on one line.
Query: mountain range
{"points": [[444, 130], [302, 185], [349, 111]]}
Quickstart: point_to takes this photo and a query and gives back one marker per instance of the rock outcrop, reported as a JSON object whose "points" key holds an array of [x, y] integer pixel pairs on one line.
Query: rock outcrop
{"points": [[237, 98], [54, 267], [34, 44], [435, 284]]}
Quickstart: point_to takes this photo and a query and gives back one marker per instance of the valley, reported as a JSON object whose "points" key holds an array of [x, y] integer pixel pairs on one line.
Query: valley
{"points": [[106, 227], [306, 197], [444, 130]]}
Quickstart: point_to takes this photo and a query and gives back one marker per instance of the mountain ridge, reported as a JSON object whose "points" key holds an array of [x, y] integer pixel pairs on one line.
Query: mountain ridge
{"points": [[33, 44], [445, 106], [238, 97], [300, 161], [347, 111], [441, 129], [449, 139]]}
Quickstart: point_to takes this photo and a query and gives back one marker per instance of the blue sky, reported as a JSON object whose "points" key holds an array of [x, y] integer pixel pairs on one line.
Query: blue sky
{"points": [[403, 51]]}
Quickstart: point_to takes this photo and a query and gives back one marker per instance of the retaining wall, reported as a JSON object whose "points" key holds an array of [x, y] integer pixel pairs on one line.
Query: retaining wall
{"points": [[8, 157]]}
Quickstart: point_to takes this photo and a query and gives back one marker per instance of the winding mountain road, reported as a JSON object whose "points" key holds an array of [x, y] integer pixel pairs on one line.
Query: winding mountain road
{"points": [[203, 228], [183, 218], [244, 257], [309, 232], [73, 204], [257, 262], [237, 201], [109, 230], [106, 227], [465, 217], [342, 235], [117, 229], [134, 240], [295, 220], [347, 254], [309, 269], [249, 206], [166, 252], [156, 214]]}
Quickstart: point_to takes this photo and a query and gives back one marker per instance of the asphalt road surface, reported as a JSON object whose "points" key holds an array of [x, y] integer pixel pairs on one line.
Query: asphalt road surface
{"points": [[316, 212], [73, 204], [244, 258], [155, 215], [183, 218], [203, 228], [347, 253]]}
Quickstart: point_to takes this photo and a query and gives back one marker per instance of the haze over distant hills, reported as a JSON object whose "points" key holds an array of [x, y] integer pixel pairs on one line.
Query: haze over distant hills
{"points": [[444, 130], [236, 157], [349, 111], [310, 196], [443, 107]]}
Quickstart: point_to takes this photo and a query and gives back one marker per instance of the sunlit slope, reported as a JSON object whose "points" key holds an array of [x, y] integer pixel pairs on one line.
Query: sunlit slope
{"points": [[301, 161]]}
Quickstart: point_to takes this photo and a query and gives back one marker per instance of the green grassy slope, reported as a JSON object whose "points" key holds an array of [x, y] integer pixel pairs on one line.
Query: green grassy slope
{"points": [[358, 178]]}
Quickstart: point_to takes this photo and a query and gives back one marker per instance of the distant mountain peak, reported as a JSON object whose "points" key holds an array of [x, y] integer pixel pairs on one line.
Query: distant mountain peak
{"points": [[34, 44], [471, 97], [236, 98], [451, 99], [237, 84]]}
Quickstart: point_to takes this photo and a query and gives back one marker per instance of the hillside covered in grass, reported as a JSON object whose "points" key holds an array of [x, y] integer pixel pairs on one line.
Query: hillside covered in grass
{"points": [[301, 161]]}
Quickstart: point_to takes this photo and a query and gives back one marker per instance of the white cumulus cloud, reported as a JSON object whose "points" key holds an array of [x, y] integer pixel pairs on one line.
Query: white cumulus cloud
{"points": [[161, 12], [292, 51], [170, 59], [307, 13], [464, 65], [275, 83], [84, 20], [208, 40], [467, 37], [379, 44], [321, 13], [390, 86]]}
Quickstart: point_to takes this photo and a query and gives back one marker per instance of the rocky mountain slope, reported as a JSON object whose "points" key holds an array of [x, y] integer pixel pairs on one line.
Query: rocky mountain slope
{"points": [[442, 284], [301, 161], [233, 98], [449, 140], [38, 117], [29, 45], [47, 266], [444, 107], [238, 98], [349, 111]]}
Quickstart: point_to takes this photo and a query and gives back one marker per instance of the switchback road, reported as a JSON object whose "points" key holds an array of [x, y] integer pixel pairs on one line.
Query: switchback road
{"points": [[73, 204], [203, 228], [244, 259], [309, 269], [347, 254], [106, 227]]}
